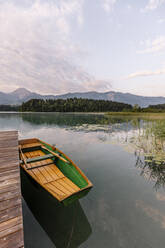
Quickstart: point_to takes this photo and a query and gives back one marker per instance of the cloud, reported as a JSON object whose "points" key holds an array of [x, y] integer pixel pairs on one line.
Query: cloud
{"points": [[146, 73], [160, 196], [152, 213], [36, 47], [108, 5], [100, 85], [153, 4], [153, 46]]}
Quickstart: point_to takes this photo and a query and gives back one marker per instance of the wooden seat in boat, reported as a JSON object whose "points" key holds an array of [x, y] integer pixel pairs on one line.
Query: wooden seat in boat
{"points": [[39, 158]]}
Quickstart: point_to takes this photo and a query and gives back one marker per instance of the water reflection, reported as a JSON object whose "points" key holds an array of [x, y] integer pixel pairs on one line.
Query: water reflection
{"points": [[64, 119], [112, 151], [67, 227], [80, 122], [151, 170], [142, 135]]}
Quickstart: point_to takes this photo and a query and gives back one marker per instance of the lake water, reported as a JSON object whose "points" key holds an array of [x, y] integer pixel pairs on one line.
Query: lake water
{"points": [[124, 159]]}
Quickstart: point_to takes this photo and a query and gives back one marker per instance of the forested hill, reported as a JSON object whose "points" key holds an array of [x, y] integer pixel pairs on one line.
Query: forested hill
{"points": [[73, 105], [157, 107]]}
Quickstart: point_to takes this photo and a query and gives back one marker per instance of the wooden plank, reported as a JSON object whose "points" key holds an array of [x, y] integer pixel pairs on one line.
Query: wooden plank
{"points": [[55, 190], [51, 172], [61, 187], [69, 182], [10, 213], [8, 182], [11, 172], [6, 151], [7, 136], [33, 175], [38, 166], [8, 143], [11, 228], [10, 203], [11, 224], [3, 155], [47, 176], [14, 186], [9, 175], [9, 195], [57, 171], [13, 239], [8, 166], [8, 160], [3, 169], [8, 132], [66, 185], [31, 145], [37, 173], [28, 141], [8, 139], [4, 226]]}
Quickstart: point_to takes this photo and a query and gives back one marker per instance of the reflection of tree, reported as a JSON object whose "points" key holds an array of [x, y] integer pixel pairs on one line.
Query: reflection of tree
{"points": [[79, 122], [63, 119]]}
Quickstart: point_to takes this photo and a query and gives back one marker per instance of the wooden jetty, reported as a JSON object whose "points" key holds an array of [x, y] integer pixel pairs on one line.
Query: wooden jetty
{"points": [[11, 223]]}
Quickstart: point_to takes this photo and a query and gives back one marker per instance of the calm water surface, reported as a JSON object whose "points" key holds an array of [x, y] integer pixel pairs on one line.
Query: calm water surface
{"points": [[124, 159]]}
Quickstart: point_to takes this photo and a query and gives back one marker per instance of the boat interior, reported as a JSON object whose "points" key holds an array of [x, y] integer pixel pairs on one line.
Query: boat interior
{"points": [[40, 164]]}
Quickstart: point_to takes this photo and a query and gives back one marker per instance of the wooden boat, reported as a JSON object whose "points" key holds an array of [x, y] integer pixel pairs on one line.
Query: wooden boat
{"points": [[53, 170]]}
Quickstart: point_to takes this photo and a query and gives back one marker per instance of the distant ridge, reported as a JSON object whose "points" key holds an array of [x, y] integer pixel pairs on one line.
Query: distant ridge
{"points": [[22, 95]]}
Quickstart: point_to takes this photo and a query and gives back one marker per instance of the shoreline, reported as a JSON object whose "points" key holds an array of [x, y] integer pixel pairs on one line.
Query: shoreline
{"points": [[135, 113], [31, 112]]}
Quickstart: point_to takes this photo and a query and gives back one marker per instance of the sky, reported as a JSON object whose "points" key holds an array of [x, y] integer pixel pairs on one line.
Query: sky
{"points": [[60, 46]]}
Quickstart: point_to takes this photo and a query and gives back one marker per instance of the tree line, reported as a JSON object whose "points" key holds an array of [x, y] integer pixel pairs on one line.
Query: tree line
{"points": [[159, 108], [9, 107], [73, 105], [80, 105]]}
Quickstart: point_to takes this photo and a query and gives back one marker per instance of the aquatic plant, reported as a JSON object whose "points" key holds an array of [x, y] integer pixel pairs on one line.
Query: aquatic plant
{"points": [[150, 153]]}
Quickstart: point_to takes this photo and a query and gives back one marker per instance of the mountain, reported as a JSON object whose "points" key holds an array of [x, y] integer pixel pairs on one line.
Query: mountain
{"points": [[22, 95]]}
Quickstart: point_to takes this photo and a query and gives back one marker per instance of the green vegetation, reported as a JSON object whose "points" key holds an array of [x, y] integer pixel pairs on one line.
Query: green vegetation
{"points": [[9, 108], [159, 108], [137, 110], [89, 105], [149, 150], [135, 115], [73, 105]]}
